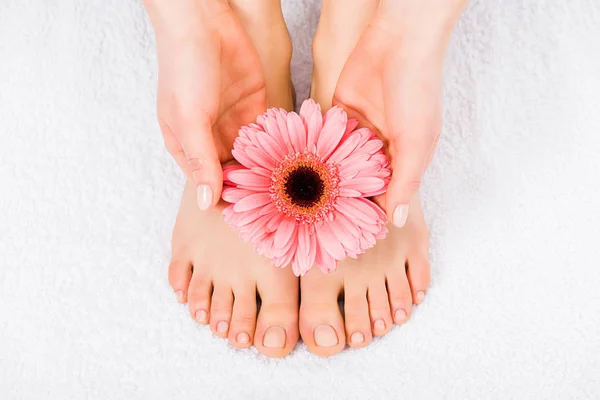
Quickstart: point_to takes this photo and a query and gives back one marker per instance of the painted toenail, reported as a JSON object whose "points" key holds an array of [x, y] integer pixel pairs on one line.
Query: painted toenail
{"points": [[325, 336], [420, 296], [274, 337], [242, 338], [201, 316], [222, 326], [379, 325], [179, 295], [399, 316], [357, 337]]}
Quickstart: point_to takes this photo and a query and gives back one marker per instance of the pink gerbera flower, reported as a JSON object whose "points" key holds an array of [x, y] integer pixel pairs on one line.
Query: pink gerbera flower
{"points": [[300, 193]]}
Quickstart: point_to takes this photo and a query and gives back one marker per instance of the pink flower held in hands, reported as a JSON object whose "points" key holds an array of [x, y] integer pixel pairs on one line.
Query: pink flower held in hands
{"points": [[300, 193]]}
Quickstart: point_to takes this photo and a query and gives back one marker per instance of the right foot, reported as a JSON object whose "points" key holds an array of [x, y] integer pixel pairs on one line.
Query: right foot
{"points": [[219, 276]]}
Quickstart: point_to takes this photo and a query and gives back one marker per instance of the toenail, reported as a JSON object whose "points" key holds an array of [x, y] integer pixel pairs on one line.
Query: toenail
{"points": [[379, 325], [325, 336], [420, 296], [201, 316], [357, 337], [243, 338], [399, 316], [222, 326], [274, 337], [179, 295]]}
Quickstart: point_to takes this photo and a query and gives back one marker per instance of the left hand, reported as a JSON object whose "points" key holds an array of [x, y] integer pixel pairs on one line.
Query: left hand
{"points": [[392, 83]]}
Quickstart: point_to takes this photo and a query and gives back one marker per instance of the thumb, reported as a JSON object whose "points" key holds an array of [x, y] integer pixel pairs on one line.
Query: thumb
{"points": [[202, 162], [407, 170]]}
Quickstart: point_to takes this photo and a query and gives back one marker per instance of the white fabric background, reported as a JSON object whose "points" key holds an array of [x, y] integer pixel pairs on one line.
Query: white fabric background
{"points": [[88, 197]]}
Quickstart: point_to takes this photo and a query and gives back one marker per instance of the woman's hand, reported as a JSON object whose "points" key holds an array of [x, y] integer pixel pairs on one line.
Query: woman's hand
{"points": [[392, 82], [210, 84]]}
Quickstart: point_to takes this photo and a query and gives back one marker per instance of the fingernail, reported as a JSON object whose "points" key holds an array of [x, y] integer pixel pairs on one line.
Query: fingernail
{"points": [[222, 326], [400, 215], [274, 337], [357, 337], [325, 336], [420, 296], [179, 295], [242, 338], [205, 197], [399, 316], [201, 316], [379, 325]]}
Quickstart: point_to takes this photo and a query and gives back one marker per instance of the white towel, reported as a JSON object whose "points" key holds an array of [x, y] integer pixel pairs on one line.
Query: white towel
{"points": [[88, 197]]}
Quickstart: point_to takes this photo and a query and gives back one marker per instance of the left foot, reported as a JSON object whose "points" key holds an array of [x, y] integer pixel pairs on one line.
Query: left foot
{"points": [[380, 287]]}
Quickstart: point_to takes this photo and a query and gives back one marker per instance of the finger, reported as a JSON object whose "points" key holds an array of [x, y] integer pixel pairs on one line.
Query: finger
{"points": [[413, 116], [202, 161], [174, 148]]}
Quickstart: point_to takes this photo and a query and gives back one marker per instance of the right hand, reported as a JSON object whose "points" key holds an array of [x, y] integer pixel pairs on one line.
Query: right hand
{"points": [[210, 84]]}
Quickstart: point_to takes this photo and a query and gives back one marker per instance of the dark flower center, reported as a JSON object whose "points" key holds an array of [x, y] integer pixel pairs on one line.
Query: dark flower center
{"points": [[304, 186]]}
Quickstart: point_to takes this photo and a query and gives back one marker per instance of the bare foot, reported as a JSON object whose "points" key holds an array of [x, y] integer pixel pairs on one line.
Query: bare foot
{"points": [[218, 275], [380, 287]]}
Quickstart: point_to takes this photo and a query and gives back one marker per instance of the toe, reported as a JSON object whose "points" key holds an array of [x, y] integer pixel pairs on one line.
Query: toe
{"points": [[356, 316], [321, 323], [220, 310], [399, 295], [276, 332], [180, 273], [418, 277], [199, 296], [379, 308], [243, 318]]}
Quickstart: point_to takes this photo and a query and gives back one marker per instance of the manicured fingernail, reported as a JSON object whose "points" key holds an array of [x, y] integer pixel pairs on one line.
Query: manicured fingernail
{"points": [[201, 316], [179, 295], [222, 326], [420, 296], [357, 337], [400, 215], [205, 197], [243, 338], [325, 336], [274, 337], [399, 316], [379, 325]]}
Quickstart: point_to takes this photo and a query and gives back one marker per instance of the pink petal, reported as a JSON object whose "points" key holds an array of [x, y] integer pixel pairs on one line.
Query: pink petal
{"points": [[246, 218], [345, 192], [363, 185], [262, 172], [350, 125], [268, 209], [260, 158], [284, 138], [313, 120], [344, 149], [297, 132], [333, 130], [325, 261], [354, 208], [233, 194], [329, 242], [253, 201], [364, 169], [243, 158], [274, 222], [247, 178], [271, 146], [345, 237], [284, 233]]}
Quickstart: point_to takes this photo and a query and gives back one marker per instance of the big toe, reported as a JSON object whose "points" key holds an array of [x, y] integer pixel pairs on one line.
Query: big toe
{"points": [[321, 323], [276, 332]]}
